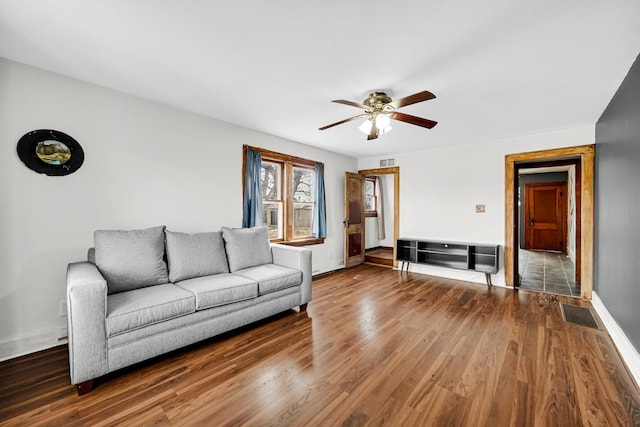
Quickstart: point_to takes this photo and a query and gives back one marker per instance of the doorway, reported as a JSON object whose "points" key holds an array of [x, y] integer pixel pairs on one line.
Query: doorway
{"points": [[548, 197], [582, 155], [391, 177]]}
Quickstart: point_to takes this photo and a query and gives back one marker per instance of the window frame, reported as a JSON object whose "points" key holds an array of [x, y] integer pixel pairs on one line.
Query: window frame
{"points": [[374, 211], [287, 162], [280, 200]]}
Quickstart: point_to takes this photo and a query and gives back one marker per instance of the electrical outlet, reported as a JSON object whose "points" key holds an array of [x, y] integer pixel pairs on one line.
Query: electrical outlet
{"points": [[62, 311]]}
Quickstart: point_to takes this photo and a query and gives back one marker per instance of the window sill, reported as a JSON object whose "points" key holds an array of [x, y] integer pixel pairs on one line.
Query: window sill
{"points": [[301, 242]]}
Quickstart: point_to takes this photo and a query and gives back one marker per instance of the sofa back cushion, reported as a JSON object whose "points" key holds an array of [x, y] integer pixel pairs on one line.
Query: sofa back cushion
{"points": [[246, 247], [195, 255], [131, 259]]}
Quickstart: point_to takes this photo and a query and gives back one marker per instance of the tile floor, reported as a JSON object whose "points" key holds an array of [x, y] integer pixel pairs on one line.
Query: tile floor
{"points": [[545, 271]]}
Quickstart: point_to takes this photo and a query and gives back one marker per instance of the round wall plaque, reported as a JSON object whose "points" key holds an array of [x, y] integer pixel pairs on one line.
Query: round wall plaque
{"points": [[51, 152]]}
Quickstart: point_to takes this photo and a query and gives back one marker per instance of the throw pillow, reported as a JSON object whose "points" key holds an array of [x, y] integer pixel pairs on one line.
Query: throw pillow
{"points": [[195, 255], [246, 247], [131, 259]]}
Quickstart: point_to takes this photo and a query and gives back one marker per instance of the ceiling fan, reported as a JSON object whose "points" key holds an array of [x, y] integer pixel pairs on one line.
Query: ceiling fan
{"points": [[379, 109]]}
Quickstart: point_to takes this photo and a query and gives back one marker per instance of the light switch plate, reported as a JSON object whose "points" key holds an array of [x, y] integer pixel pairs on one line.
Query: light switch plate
{"points": [[479, 208]]}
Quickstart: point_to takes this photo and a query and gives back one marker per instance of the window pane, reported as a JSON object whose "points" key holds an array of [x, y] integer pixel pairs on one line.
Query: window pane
{"points": [[370, 203], [272, 216], [369, 188], [302, 219], [271, 177], [302, 184]]}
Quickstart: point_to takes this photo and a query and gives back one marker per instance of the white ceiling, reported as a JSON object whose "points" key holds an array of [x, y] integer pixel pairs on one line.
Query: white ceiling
{"points": [[499, 68]]}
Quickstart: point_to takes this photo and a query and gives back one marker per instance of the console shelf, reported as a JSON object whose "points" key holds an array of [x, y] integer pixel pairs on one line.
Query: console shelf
{"points": [[462, 256]]}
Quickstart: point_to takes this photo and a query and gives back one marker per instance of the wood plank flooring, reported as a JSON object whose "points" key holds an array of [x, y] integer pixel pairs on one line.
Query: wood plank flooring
{"points": [[376, 347]]}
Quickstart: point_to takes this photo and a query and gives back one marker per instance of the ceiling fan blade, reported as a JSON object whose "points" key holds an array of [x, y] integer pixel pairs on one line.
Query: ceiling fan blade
{"points": [[425, 95], [352, 103], [418, 121], [343, 121], [373, 133]]}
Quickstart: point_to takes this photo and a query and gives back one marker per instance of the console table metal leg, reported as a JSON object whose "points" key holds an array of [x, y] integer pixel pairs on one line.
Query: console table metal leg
{"points": [[487, 276], [402, 266]]}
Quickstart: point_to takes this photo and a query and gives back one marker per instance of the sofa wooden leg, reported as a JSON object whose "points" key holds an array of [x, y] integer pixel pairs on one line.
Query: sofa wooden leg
{"points": [[303, 308], [85, 387]]}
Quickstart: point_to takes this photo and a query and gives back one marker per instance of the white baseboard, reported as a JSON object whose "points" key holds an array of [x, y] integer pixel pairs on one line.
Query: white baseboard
{"points": [[627, 351], [33, 342], [464, 275], [315, 273]]}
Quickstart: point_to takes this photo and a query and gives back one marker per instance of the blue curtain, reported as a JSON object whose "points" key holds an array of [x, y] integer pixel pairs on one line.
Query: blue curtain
{"points": [[319, 228], [252, 203]]}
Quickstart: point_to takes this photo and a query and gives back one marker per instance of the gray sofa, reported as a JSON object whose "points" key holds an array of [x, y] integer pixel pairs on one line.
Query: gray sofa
{"points": [[142, 293]]}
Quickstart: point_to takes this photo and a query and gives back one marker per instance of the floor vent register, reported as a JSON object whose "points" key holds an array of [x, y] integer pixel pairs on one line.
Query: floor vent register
{"points": [[579, 315]]}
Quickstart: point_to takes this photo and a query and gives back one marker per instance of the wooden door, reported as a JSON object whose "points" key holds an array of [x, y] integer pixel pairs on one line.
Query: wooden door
{"points": [[545, 219], [353, 219]]}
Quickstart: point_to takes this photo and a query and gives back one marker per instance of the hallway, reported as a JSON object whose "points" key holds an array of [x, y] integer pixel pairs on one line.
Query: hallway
{"points": [[546, 271]]}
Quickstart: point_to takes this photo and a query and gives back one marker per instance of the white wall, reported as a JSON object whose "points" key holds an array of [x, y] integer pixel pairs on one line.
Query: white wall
{"points": [[145, 164], [439, 189], [371, 233]]}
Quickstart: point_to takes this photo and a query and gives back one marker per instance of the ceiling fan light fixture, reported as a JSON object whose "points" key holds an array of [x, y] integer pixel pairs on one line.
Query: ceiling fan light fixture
{"points": [[384, 130], [365, 127], [382, 121]]}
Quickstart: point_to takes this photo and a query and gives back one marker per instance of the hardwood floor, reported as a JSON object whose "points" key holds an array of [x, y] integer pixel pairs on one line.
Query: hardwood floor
{"points": [[376, 347]]}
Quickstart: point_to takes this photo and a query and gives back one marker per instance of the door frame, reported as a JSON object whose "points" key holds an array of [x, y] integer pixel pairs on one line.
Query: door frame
{"points": [[395, 171], [586, 155]]}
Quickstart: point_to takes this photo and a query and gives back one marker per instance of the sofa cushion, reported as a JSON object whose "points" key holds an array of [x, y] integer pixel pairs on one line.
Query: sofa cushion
{"points": [[246, 247], [272, 277], [221, 289], [195, 255], [138, 308], [131, 259]]}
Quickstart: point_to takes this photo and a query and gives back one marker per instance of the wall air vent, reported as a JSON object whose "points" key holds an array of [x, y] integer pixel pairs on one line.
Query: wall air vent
{"points": [[387, 162]]}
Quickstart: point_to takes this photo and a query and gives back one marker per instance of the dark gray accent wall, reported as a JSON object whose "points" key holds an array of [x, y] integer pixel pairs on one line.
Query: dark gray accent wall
{"points": [[617, 213], [530, 179]]}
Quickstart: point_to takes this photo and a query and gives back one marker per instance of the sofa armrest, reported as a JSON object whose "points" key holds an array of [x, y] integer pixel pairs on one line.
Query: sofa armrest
{"points": [[298, 258], [86, 317]]}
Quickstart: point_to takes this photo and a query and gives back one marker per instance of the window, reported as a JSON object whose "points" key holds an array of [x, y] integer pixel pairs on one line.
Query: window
{"points": [[303, 205], [370, 201], [288, 197], [272, 202]]}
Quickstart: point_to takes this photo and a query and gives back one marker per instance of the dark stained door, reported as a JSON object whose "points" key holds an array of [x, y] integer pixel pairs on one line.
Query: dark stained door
{"points": [[353, 219], [546, 216]]}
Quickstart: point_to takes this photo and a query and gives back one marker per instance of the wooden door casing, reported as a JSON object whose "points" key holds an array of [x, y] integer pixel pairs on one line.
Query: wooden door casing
{"points": [[584, 156], [353, 219], [392, 171]]}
